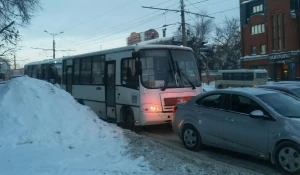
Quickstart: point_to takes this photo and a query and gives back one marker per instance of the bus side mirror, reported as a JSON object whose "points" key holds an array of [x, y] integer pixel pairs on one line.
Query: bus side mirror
{"points": [[138, 67]]}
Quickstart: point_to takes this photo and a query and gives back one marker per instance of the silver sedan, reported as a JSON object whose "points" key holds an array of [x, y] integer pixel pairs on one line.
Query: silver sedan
{"points": [[259, 122]]}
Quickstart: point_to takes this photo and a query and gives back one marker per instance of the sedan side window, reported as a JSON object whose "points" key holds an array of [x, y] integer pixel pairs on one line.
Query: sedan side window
{"points": [[212, 101], [244, 105]]}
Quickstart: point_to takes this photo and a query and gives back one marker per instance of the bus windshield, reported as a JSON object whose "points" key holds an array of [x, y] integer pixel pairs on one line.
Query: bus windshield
{"points": [[159, 69]]}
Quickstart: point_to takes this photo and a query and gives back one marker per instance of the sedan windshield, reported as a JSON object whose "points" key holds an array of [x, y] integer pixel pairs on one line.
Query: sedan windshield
{"points": [[285, 105], [159, 69]]}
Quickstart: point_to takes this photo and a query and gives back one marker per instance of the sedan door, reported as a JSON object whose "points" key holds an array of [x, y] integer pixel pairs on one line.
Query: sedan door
{"points": [[210, 112], [243, 133]]}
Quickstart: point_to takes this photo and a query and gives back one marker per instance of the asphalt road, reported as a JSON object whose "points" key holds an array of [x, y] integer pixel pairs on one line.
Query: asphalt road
{"points": [[163, 134]]}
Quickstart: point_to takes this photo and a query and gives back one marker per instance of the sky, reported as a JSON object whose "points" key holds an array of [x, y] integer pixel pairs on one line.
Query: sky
{"points": [[93, 25]]}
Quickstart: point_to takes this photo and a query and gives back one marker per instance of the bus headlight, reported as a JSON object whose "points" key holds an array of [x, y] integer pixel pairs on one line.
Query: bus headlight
{"points": [[151, 108]]}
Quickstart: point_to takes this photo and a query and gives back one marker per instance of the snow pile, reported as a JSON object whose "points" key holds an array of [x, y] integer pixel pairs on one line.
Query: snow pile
{"points": [[43, 130], [206, 87], [209, 87], [35, 111]]}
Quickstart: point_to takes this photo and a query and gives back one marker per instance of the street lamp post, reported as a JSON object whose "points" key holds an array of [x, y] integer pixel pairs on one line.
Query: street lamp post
{"points": [[53, 35]]}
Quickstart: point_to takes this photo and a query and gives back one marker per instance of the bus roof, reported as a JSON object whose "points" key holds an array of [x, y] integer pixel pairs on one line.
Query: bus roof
{"points": [[243, 70], [127, 48], [56, 60]]}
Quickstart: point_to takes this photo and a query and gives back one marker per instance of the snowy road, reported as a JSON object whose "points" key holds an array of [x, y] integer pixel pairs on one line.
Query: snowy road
{"points": [[165, 136]]}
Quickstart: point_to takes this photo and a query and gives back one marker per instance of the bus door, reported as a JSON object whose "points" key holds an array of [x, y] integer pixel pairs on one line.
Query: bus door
{"points": [[69, 75], [110, 89]]}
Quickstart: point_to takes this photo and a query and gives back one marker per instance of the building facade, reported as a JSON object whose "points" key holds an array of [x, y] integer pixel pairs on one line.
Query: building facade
{"points": [[135, 38], [271, 37]]}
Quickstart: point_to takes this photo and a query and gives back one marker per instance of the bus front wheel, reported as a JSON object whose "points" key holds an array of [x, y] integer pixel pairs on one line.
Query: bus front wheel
{"points": [[128, 119]]}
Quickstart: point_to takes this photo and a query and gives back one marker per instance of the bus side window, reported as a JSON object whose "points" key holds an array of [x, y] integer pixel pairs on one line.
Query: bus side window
{"points": [[98, 70], [128, 74]]}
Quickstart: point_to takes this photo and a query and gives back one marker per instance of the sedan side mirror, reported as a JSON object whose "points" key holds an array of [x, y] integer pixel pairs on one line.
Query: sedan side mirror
{"points": [[258, 114]]}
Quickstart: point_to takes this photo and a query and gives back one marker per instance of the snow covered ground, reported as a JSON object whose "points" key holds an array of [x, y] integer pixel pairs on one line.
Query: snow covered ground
{"points": [[209, 87], [167, 159], [43, 130]]}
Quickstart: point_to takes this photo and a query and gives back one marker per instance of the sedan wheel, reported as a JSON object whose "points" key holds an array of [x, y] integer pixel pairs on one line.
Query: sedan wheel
{"points": [[191, 138], [288, 157]]}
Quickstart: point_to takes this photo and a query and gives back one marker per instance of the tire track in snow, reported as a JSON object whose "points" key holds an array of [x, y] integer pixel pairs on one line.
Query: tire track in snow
{"points": [[255, 165]]}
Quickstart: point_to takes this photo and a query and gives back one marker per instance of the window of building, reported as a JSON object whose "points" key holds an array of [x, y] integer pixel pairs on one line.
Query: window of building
{"points": [[263, 49], [76, 77], [129, 76], [85, 71], [295, 5], [258, 66], [256, 29], [257, 8], [253, 50], [279, 32], [273, 33], [283, 31], [98, 70]]}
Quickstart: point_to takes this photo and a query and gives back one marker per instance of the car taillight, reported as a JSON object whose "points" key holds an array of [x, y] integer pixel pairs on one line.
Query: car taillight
{"points": [[174, 109]]}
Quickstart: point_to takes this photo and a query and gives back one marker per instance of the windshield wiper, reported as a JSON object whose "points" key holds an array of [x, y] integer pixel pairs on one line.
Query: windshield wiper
{"points": [[167, 78], [179, 72]]}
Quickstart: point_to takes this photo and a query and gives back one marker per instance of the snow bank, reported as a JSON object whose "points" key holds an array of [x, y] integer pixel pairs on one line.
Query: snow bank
{"points": [[209, 87], [33, 111], [44, 130]]}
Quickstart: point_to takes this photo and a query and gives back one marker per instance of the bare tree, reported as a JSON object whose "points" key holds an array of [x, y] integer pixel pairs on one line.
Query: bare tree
{"points": [[228, 45], [199, 33], [13, 14]]}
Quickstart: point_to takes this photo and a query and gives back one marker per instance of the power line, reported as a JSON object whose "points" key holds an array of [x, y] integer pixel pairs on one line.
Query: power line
{"points": [[141, 22], [121, 27], [126, 24], [177, 11], [183, 12], [197, 3], [224, 10], [216, 3], [104, 13], [125, 36], [161, 3]]}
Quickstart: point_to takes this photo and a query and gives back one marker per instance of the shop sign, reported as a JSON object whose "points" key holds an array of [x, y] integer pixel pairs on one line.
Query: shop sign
{"points": [[280, 56]]}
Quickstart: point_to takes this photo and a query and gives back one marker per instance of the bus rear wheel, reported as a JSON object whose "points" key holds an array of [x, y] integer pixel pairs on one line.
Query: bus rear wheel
{"points": [[128, 120]]}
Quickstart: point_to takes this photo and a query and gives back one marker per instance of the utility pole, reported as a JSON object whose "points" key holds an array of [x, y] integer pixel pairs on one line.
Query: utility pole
{"points": [[54, 47], [184, 42], [184, 37], [53, 35]]}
